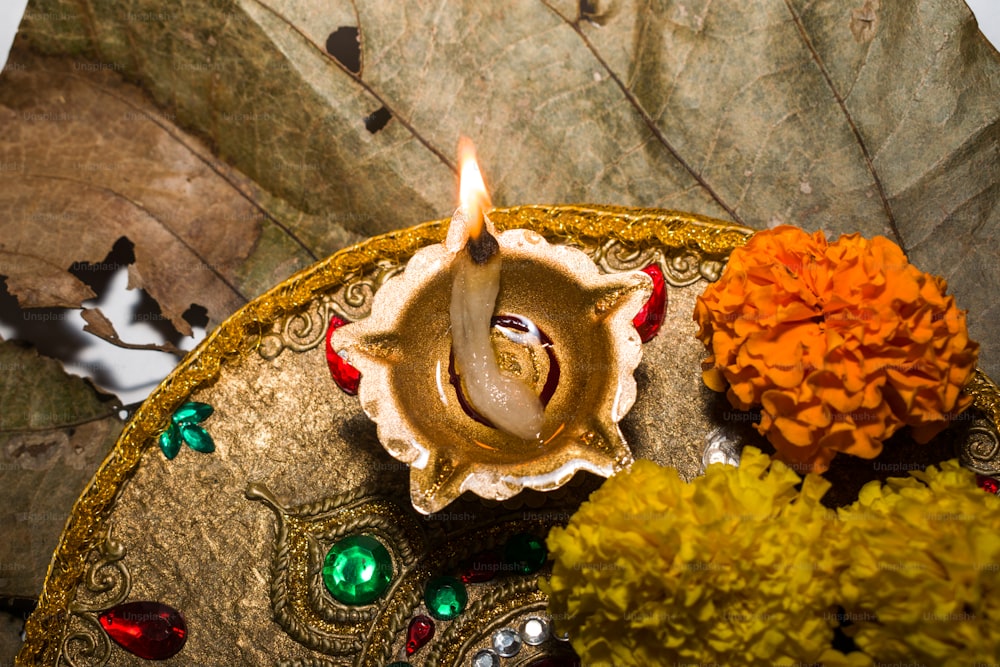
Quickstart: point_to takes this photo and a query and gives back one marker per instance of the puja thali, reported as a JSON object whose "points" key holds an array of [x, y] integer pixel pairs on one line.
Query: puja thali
{"points": [[216, 526]]}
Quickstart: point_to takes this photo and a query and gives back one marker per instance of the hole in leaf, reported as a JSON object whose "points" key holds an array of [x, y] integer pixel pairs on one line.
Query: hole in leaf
{"points": [[18, 607], [147, 312], [595, 12], [49, 329], [197, 316], [99, 275], [344, 44], [58, 332], [378, 120]]}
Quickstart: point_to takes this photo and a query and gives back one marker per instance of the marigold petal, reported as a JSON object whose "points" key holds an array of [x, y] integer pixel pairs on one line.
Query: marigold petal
{"points": [[713, 379], [831, 391]]}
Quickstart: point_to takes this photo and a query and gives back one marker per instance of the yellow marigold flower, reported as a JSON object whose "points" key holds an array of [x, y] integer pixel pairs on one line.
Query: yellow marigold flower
{"points": [[725, 569], [840, 344], [923, 584], [744, 567]]}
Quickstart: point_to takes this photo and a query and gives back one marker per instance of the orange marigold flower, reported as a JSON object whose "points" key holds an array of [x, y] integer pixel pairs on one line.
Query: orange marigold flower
{"points": [[840, 344]]}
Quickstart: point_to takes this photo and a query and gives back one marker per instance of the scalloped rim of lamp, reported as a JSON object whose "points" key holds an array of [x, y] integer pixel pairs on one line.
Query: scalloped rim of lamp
{"points": [[437, 475]]}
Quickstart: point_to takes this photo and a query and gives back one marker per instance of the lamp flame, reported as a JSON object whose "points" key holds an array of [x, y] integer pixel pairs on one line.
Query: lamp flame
{"points": [[473, 197]]}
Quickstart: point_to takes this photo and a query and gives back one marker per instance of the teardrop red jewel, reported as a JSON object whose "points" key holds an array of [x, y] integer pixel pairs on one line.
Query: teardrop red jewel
{"points": [[650, 317], [345, 375], [150, 630], [988, 484], [420, 632]]}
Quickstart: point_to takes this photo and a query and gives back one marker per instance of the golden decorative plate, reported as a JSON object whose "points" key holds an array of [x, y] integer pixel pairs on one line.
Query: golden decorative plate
{"points": [[235, 538]]}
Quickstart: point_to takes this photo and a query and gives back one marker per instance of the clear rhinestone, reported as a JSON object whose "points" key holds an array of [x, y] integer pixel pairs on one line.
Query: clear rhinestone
{"points": [[486, 658], [535, 630], [563, 637], [506, 642], [720, 448]]}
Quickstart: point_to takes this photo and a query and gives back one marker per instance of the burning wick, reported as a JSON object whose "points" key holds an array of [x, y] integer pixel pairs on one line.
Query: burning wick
{"points": [[506, 402]]}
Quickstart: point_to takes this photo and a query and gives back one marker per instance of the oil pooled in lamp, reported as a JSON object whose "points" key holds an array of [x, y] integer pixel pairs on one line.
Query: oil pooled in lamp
{"points": [[498, 361]]}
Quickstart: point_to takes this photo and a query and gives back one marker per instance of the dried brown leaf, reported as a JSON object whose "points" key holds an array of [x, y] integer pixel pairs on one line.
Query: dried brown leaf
{"points": [[88, 160], [98, 324], [39, 282], [54, 431], [864, 116]]}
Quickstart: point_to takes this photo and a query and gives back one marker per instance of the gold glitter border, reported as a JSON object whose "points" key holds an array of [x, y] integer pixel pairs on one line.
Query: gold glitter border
{"points": [[240, 335], [985, 395]]}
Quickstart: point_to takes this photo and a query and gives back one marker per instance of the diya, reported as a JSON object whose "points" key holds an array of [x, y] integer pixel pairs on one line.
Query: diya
{"points": [[498, 362]]}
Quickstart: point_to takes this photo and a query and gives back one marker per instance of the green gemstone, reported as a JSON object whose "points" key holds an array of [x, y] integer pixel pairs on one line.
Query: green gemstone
{"points": [[170, 442], [357, 570], [399, 663], [445, 597], [525, 553], [192, 412], [197, 438]]}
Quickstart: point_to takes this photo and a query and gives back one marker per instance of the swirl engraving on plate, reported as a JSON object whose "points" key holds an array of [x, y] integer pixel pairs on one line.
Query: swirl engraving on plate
{"points": [[420, 547], [107, 584], [298, 597], [980, 452], [493, 610], [681, 266], [305, 330]]}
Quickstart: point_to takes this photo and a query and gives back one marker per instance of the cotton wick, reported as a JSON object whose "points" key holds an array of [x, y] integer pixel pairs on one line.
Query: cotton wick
{"points": [[482, 247]]}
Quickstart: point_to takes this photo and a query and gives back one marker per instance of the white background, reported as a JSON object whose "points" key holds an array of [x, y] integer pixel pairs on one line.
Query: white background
{"points": [[131, 374]]}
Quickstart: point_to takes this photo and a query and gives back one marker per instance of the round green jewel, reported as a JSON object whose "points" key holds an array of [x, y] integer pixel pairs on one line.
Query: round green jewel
{"points": [[357, 570], [525, 553], [445, 597]]}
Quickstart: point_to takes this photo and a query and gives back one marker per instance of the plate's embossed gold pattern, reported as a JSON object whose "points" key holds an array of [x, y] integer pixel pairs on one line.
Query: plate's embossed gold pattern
{"points": [[681, 266], [107, 584], [305, 330], [272, 337], [311, 662], [487, 614], [421, 547], [304, 534], [980, 451]]}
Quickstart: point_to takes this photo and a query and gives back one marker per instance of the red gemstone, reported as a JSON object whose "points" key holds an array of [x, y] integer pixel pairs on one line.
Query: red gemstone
{"points": [[481, 567], [650, 316], [345, 375], [149, 630], [988, 484], [420, 632]]}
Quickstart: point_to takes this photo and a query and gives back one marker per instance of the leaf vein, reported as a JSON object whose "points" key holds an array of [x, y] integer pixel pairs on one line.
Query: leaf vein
{"points": [[364, 84], [644, 114], [804, 35], [118, 195]]}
